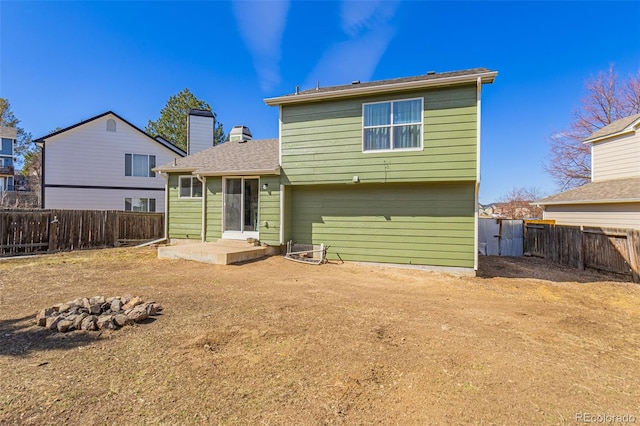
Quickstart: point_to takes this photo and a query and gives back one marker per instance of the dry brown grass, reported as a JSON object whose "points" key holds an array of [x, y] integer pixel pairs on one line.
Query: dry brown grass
{"points": [[276, 342]]}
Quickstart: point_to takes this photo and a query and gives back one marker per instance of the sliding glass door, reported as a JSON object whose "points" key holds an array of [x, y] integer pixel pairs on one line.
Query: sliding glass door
{"points": [[240, 218]]}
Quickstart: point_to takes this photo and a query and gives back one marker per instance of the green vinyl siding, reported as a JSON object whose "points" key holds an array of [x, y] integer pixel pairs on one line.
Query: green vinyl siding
{"points": [[270, 210], [322, 141], [185, 215], [420, 224], [214, 209]]}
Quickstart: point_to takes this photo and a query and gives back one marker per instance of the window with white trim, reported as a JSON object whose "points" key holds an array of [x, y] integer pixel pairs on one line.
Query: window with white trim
{"points": [[190, 187], [134, 204], [392, 125], [139, 165]]}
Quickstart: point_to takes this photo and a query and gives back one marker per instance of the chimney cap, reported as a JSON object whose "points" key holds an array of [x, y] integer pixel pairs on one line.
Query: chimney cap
{"points": [[201, 112]]}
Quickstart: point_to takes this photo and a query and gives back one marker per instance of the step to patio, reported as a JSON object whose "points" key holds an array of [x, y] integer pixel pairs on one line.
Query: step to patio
{"points": [[222, 252]]}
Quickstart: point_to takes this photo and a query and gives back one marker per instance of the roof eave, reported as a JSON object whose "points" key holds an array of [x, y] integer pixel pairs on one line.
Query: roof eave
{"points": [[610, 136], [607, 201], [172, 169], [486, 78], [249, 172]]}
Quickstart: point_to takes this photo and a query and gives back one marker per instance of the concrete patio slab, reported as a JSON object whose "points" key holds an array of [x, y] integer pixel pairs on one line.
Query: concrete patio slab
{"points": [[222, 252]]}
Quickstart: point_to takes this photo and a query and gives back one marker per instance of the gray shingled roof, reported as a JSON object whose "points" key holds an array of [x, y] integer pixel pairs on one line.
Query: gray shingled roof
{"points": [[260, 155], [607, 191], [357, 88], [613, 128], [424, 77]]}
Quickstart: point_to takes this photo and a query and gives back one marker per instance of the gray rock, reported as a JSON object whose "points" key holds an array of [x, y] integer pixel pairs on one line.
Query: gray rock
{"points": [[52, 322], [105, 322], [153, 309], [77, 322], [41, 317], [95, 309], [138, 314], [86, 304], [89, 323], [116, 305], [97, 300], [132, 303], [121, 320], [65, 325], [64, 307]]}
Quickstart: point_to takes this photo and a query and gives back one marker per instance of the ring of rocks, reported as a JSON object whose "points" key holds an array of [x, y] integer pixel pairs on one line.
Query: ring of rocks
{"points": [[97, 313]]}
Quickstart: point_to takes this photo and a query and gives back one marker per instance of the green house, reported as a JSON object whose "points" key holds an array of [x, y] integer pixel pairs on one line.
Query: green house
{"points": [[383, 172]]}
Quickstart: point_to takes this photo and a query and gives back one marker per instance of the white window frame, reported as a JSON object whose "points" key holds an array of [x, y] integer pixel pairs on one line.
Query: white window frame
{"points": [[391, 125], [155, 204], [150, 173], [190, 197]]}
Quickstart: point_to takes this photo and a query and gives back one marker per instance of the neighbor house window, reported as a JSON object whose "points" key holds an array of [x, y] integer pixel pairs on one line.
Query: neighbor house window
{"points": [[111, 125], [190, 187], [393, 125], [140, 204], [139, 165]]}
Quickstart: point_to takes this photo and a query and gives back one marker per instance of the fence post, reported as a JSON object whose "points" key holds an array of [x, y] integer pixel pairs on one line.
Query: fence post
{"points": [[633, 258], [53, 233], [581, 249]]}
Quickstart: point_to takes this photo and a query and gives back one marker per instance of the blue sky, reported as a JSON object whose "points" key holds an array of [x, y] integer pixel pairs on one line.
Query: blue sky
{"points": [[62, 62]]}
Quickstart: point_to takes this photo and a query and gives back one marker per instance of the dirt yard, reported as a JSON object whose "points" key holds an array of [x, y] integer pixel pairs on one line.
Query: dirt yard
{"points": [[275, 342]]}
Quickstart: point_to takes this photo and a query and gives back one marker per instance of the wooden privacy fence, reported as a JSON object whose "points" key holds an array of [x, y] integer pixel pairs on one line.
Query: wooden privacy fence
{"points": [[39, 231], [605, 249]]}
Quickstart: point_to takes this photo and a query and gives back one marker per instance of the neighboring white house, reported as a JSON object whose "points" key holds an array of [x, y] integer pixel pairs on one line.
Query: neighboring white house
{"points": [[8, 137], [104, 163], [612, 198]]}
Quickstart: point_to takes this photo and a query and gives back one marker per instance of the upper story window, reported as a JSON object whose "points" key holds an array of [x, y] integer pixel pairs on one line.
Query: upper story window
{"points": [[111, 125], [190, 187], [139, 165], [393, 125], [6, 147]]}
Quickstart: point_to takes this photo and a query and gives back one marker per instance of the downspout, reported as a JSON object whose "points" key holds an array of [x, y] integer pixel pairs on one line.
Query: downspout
{"points": [[42, 176], [477, 189], [282, 195], [203, 232]]}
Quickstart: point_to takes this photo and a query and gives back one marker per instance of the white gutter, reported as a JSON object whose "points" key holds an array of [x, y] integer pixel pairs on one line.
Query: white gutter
{"points": [[203, 232], [254, 172], [486, 77]]}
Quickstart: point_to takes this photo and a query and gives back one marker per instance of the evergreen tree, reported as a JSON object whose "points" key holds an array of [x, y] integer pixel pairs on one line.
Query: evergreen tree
{"points": [[172, 123]]}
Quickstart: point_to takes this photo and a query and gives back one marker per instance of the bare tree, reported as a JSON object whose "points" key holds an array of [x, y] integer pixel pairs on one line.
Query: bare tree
{"points": [[516, 204], [606, 100]]}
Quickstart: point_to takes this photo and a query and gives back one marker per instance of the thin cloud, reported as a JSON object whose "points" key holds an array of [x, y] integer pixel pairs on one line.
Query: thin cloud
{"points": [[261, 25], [368, 27], [359, 16], [351, 60]]}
